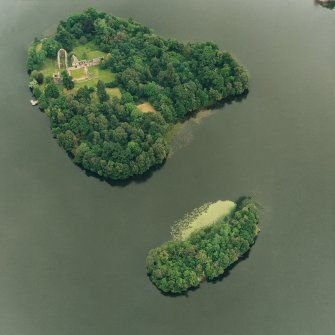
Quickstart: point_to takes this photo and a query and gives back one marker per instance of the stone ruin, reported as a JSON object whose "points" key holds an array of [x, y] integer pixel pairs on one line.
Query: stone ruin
{"points": [[75, 65], [60, 52]]}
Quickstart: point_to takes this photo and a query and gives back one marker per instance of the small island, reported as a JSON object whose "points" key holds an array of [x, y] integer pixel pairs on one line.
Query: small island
{"points": [[330, 4], [114, 90], [204, 244]]}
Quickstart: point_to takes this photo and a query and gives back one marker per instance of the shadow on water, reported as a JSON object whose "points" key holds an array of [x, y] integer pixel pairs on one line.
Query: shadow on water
{"points": [[232, 266], [218, 105], [184, 132], [123, 183]]}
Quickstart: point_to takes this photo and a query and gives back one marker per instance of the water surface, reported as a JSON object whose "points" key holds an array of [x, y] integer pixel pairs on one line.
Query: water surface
{"points": [[73, 248]]}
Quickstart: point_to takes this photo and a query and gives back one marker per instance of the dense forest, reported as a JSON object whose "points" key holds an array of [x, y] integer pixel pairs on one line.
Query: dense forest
{"points": [[111, 136], [179, 265]]}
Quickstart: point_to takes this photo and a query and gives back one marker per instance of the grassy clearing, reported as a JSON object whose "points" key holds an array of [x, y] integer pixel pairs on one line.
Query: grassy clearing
{"points": [[97, 74], [73, 91], [114, 92], [104, 74], [201, 217], [79, 73], [88, 51], [49, 67], [146, 107]]}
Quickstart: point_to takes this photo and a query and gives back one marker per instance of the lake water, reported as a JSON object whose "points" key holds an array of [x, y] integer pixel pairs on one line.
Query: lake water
{"points": [[73, 248]]}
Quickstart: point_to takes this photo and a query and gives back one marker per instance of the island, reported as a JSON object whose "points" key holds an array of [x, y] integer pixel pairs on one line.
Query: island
{"points": [[330, 4], [114, 90], [204, 244]]}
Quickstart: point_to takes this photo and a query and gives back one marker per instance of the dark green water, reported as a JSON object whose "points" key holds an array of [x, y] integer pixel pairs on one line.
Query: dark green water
{"points": [[73, 248]]}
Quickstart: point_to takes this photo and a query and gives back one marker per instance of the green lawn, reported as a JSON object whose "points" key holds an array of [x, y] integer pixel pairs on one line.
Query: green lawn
{"points": [[97, 74], [88, 51], [78, 73], [49, 67]]}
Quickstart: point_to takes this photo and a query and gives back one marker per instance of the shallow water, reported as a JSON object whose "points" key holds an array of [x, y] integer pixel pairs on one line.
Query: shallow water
{"points": [[73, 248]]}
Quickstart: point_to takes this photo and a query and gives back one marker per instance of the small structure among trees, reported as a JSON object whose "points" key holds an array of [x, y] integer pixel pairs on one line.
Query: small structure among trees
{"points": [[75, 61], [76, 64]]}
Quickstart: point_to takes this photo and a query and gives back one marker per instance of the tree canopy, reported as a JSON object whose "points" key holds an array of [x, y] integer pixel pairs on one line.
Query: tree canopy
{"points": [[67, 80]]}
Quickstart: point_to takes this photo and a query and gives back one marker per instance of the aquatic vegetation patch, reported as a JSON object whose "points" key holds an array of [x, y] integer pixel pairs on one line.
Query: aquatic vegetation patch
{"points": [[201, 217], [181, 264]]}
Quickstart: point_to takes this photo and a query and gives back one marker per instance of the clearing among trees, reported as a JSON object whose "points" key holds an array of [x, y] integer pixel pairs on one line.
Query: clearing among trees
{"points": [[146, 107]]}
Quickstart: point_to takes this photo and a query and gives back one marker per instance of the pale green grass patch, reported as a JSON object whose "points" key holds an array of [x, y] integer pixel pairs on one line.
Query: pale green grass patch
{"points": [[39, 47], [200, 218], [49, 67], [114, 92], [79, 73], [146, 107], [97, 74], [88, 51]]}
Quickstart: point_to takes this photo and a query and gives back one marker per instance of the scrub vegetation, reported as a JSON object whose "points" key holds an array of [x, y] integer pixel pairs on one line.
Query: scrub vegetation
{"points": [[181, 264], [115, 123]]}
